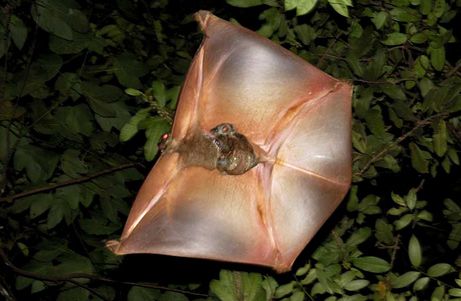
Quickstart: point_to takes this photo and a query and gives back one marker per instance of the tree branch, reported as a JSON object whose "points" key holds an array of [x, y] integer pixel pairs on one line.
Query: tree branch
{"points": [[72, 278], [67, 183], [377, 156]]}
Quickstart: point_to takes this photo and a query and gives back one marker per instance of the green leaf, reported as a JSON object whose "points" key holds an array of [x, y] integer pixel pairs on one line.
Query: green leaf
{"points": [[355, 64], [75, 293], [453, 155], [421, 283], [56, 214], [37, 286], [238, 286], [24, 249], [437, 56], [72, 263], [302, 6], [356, 297], [356, 285], [245, 3], [419, 158], [50, 250], [375, 121], [75, 119], [439, 269], [173, 296], [23, 282], [98, 226], [46, 67], [353, 201], [18, 31], [297, 296], [438, 293], [173, 95], [405, 14], [425, 216], [68, 84], [131, 128], [410, 198], [71, 163], [359, 236], [303, 270], [440, 138], [398, 199], [78, 43], [156, 128], [455, 292], [104, 93], [458, 282], [414, 251], [379, 19], [117, 121], [368, 205], [452, 206], [395, 38], [128, 70], [284, 290], [439, 8], [133, 92], [269, 285], [405, 279], [340, 6], [359, 142], [425, 85], [101, 108], [425, 7], [389, 162], [384, 232], [77, 20], [38, 163], [48, 15], [159, 92], [403, 221], [371, 264], [421, 65], [137, 293], [23, 204], [305, 33], [419, 38], [393, 91], [376, 68], [40, 204]]}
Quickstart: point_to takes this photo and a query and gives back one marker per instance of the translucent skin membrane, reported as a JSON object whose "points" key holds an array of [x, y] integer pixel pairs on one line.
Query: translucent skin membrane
{"points": [[294, 118]]}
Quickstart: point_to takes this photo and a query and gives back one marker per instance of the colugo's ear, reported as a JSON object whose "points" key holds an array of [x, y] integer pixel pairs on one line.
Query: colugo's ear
{"points": [[245, 95]]}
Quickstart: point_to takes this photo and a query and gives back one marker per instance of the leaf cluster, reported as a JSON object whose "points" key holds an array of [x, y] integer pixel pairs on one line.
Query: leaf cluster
{"points": [[88, 88]]}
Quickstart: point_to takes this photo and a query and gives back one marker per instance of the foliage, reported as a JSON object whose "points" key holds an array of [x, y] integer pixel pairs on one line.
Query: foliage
{"points": [[88, 87]]}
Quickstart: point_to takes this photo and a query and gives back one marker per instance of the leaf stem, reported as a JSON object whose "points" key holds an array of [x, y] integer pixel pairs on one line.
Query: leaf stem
{"points": [[71, 277], [67, 183], [377, 156]]}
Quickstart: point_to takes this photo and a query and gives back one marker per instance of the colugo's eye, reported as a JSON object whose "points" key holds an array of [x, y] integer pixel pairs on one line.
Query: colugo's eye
{"points": [[164, 141], [223, 129], [165, 136]]}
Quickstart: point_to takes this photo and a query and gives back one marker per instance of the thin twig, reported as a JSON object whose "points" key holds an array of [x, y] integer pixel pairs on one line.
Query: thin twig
{"points": [[452, 71], [91, 290], [67, 183], [302, 288], [71, 277], [395, 247], [320, 61], [11, 148], [399, 140], [43, 277]]}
